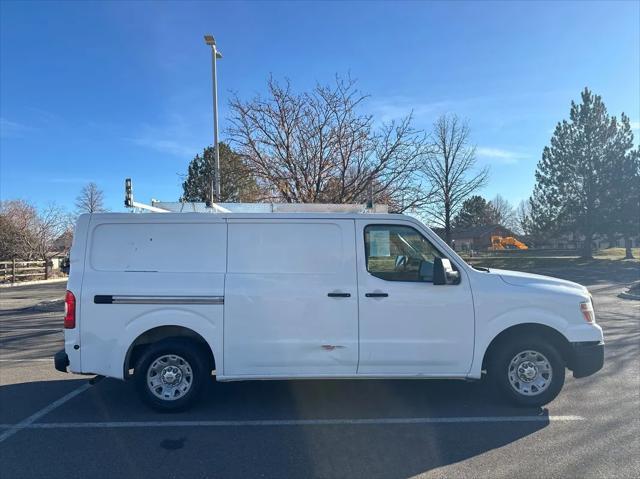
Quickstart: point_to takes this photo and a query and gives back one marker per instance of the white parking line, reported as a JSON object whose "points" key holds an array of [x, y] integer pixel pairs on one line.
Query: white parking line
{"points": [[32, 330], [25, 360], [25, 423], [292, 422]]}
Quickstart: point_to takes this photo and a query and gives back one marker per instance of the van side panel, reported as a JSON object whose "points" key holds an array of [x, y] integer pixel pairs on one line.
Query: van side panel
{"points": [[291, 305], [145, 272]]}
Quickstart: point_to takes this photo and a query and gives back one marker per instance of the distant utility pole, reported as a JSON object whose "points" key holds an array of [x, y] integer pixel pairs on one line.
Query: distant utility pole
{"points": [[215, 186]]}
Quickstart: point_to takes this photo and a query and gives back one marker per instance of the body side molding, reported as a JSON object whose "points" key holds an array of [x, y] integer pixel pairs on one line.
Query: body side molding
{"points": [[140, 299]]}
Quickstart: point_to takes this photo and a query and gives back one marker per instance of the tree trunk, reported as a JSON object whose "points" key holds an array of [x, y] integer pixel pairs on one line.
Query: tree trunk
{"points": [[628, 253], [447, 234], [447, 223], [587, 247]]}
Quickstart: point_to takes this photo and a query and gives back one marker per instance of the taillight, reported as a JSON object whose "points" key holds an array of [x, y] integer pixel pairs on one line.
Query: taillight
{"points": [[587, 312], [69, 311]]}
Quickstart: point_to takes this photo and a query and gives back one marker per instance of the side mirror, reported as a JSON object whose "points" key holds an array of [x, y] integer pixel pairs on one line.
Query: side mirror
{"points": [[443, 272]]}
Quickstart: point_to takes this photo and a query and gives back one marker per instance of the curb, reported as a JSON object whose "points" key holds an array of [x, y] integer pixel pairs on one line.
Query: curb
{"points": [[27, 283]]}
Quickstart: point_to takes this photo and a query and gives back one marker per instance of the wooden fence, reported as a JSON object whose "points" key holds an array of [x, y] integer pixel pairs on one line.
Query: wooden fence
{"points": [[15, 271]]}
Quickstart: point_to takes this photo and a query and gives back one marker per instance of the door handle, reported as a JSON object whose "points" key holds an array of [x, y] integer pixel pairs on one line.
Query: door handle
{"points": [[339, 295], [376, 295]]}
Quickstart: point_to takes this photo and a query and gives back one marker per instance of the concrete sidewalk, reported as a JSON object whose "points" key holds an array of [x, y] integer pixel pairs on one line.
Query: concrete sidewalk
{"points": [[29, 283]]}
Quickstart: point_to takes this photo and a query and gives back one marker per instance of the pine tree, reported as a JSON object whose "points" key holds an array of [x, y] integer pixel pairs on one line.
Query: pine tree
{"points": [[572, 191], [238, 184], [622, 203], [475, 211]]}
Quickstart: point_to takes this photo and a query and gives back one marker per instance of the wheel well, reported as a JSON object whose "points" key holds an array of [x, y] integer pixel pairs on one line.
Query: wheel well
{"points": [[530, 329], [161, 333]]}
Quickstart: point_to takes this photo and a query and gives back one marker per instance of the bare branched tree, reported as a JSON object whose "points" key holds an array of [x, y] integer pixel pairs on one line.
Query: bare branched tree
{"points": [[18, 220], [52, 222], [315, 147], [28, 233], [505, 214], [450, 169], [90, 199]]}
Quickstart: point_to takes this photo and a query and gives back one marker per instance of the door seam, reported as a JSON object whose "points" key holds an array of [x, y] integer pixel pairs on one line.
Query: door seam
{"points": [[355, 240]]}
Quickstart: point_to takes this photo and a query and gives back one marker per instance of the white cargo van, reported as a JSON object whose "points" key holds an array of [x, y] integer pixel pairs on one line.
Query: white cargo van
{"points": [[168, 298]]}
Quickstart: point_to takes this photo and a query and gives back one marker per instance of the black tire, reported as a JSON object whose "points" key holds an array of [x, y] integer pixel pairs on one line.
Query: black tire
{"points": [[193, 372], [501, 369]]}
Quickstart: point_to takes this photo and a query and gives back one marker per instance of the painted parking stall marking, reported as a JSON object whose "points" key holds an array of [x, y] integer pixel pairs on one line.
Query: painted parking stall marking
{"points": [[280, 422], [25, 423]]}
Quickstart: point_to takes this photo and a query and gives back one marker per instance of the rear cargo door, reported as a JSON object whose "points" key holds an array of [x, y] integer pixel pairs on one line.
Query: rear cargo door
{"points": [[147, 271]]}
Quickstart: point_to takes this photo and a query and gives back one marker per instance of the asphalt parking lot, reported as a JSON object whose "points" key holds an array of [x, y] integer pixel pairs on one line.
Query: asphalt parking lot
{"points": [[60, 425]]}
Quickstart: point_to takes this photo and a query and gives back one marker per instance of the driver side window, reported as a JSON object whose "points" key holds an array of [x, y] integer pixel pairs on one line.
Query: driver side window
{"points": [[399, 253]]}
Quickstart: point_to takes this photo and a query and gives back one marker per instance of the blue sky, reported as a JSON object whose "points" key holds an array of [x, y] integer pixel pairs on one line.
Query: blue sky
{"points": [[102, 91]]}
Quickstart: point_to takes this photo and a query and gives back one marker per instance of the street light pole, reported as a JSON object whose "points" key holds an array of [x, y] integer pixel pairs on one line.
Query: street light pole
{"points": [[215, 54]]}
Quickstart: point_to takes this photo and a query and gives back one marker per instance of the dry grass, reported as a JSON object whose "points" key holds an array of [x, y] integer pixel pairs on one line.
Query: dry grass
{"points": [[607, 265], [617, 253]]}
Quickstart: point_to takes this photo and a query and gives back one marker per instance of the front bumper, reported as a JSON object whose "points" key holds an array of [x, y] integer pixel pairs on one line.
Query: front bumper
{"points": [[61, 361], [586, 358]]}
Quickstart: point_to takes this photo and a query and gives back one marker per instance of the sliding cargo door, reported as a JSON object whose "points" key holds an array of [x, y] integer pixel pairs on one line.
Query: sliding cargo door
{"points": [[291, 298]]}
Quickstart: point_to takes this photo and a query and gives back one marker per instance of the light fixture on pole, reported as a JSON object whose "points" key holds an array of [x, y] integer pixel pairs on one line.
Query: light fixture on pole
{"points": [[215, 54]]}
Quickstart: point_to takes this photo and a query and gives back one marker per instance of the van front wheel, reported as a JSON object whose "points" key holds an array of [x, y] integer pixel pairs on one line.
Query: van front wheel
{"points": [[531, 372], [170, 374]]}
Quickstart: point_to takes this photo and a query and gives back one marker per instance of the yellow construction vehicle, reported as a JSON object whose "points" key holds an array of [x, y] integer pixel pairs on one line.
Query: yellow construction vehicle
{"points": [[506, 242]]}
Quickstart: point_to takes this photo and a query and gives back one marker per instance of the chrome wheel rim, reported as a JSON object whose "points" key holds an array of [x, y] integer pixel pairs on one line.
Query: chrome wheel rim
{"points": [[170, 377], [530, 373]]}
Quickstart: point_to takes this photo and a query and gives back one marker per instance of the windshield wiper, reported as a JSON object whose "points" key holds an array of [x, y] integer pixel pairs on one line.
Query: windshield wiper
{"points": [[480, 268]]}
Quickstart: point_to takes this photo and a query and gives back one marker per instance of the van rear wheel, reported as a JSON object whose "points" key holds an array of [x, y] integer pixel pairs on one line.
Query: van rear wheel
{"points": [[170, 374], [530, 371]]}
